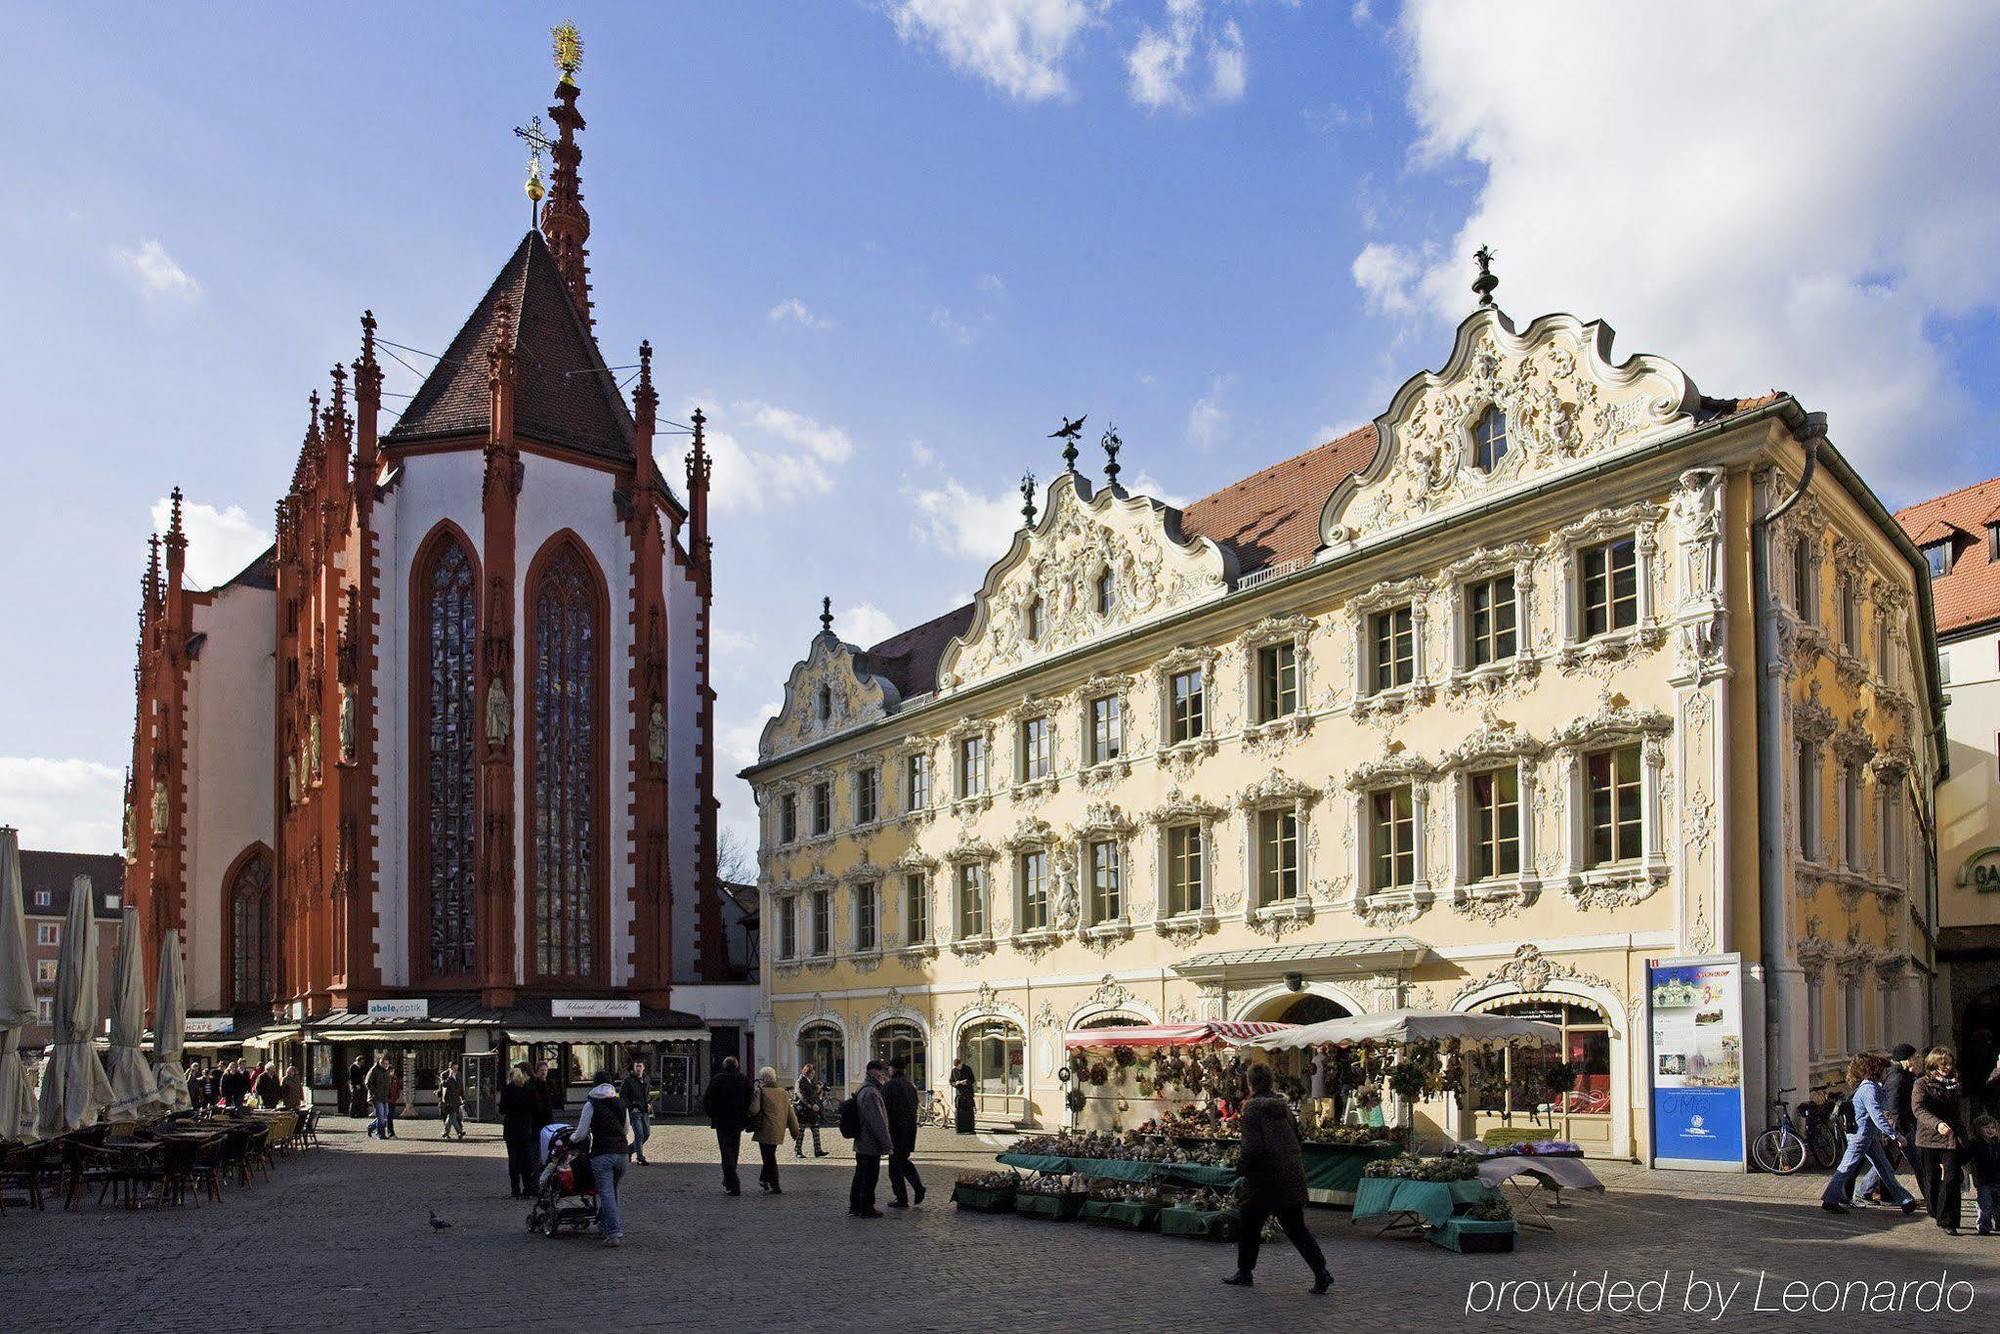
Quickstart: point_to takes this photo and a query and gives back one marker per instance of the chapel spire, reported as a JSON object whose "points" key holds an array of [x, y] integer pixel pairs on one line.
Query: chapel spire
{"points": [[565, 224]]}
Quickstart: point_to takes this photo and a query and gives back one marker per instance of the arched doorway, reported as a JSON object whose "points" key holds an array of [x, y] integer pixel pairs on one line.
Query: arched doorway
{"points": [[1309, 1008], [1562, 1091], [902, 1040], [822, 1046], [996, 1051]]}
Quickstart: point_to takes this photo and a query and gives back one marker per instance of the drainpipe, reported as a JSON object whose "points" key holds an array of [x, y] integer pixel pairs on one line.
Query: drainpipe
{"points": [[1770, 767]]}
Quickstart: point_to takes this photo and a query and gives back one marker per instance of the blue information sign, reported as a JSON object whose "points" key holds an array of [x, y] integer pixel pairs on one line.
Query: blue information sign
{"points": [[1695, 1014]]}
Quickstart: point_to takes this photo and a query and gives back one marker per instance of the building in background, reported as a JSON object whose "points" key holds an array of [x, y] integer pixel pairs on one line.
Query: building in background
{"points": [[1557, 667], [46, 881], [433, 775], [1959, 535]]}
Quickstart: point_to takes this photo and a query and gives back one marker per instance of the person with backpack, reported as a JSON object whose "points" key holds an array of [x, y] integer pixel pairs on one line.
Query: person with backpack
{"points": [[604, 1133], [864, 1118], [1868, 1143], [727, 1102]]}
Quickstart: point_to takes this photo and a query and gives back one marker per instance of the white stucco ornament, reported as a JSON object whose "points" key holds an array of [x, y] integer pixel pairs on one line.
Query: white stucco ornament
{"points": [[830, 690], [1566, 403], [1096, 561]]}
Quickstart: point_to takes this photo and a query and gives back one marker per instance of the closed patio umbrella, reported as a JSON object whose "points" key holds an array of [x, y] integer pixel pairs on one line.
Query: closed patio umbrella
{"points": [[74, 1088], [17, 989], [132, 1084], [170, 1026]]}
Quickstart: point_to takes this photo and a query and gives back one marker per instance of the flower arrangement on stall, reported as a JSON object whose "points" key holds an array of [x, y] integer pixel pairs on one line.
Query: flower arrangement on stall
{"points": [[1111, 1191], [1347, 1136], [1124, 1057], [1492, 1209], [1420, 1072], [1075, 1098], [1002, 1181], [1368, 1096], [1097, 1075], [1050, 1183], [1414, 1167]]}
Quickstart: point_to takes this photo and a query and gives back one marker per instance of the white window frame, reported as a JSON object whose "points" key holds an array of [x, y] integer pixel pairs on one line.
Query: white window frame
{"points": [[1361, 613], [821, 788], [917, 916], [1486, 752], [785, 817], [1089, 768], [1641, 523], [1620, 880], [1103, 824], [817, 898], [976, 877], [1024, 770], [1176, 812], [867, 894], [788, 926], [1201, 661], [1169, 865], [48, 933], [1518, 560], [1096, 853], [1108, 748], [868, 778], [1021, 859]]}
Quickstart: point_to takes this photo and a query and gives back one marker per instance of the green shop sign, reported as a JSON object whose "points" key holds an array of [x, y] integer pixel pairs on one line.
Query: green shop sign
{"points": [[1981, 870]]}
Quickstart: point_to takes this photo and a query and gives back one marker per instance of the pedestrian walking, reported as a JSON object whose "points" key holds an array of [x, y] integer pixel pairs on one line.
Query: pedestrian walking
{"points": [[381, 1085], [727, 1102], [605, 1131], [1897, 1082], [638, 1109], [807, 1094], [773, 1120], [1871, 1141], [268, 1088], [1274, 1183], [871, 1141], [1941, 1138], [961, 1096], [357, 1088], [520, 1117], [292, 1090], [899, 1100], [236, 1085], [1985, 1152], [451, 1102], [558, 1092]]}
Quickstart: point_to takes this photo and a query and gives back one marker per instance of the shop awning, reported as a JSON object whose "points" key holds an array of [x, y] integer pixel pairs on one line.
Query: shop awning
{"points": [[1401, 1027], [531, 1035], [1326, 958], [1221, 1033], [358, 1033]]}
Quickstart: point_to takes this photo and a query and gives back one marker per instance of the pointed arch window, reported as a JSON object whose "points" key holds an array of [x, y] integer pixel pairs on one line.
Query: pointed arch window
{"points": [[565, 720], [250, 922], [446, 820]]}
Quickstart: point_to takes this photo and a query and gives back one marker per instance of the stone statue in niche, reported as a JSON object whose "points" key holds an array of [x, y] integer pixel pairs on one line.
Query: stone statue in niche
{"points": [[1697, 509], [499, 717], [159, 806], [291, 780], [127, 832], [345, 730], [313, 747], [656, 733]]}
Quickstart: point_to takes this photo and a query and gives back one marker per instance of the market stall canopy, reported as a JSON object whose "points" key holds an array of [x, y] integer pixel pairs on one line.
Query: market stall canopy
{"points": [[1177, 1035], [1404, 1026], [17, 994]]}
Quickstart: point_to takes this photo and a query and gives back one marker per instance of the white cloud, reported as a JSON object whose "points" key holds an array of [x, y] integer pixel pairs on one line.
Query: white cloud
{"points": [[159, 277], [732, 641], [769, 457], [1765, 224], [220, 542], [738, 741], [1145, 484], [922, 454], [990, 284], [1208, 418], [957, 330], [1162, 63], [1385, 274], [1018, 46], [865, 624], [961, 523], [62, 805], [794, 311]]}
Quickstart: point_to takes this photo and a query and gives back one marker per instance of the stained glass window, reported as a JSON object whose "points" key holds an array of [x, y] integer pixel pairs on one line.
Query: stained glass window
{"points": [[449, 766], [250, 933], [563, 708]]}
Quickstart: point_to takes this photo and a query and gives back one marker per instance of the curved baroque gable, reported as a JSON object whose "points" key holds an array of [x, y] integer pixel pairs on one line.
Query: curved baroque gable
{"points": [[1567, 403], [856, 696], [1081, 535]]}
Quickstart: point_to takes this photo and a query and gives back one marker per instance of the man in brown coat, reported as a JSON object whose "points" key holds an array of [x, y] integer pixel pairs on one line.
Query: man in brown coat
{"points": [[1274, 1183]]}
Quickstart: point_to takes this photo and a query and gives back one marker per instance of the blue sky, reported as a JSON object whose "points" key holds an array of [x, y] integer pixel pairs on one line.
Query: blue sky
{"points": [[888, 243]]}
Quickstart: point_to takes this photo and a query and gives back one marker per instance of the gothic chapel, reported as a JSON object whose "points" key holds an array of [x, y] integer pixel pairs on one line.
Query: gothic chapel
{"points": [[442, 756]]}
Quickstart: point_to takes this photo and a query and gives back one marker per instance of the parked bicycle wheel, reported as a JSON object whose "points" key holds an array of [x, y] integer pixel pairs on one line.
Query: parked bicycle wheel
{"points": [[1779, 1151], [1827, 1145]]}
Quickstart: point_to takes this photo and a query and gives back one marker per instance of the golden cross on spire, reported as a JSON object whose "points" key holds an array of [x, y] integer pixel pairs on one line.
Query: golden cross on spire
{"points": [[569, 50]]}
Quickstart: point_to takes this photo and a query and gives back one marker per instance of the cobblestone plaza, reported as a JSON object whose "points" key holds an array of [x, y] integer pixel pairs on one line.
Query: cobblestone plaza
{"points": [[339, 1239]]}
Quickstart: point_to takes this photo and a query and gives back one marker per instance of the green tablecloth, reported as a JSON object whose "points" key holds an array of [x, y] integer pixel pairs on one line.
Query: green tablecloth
{"points": [[1432, 1201], [1336, 1168]]}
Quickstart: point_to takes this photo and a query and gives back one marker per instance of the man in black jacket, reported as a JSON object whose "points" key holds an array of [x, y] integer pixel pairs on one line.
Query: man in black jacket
{"points": [[1896, 1085], [727, 1103], [632, 1092], [899, 1097]]}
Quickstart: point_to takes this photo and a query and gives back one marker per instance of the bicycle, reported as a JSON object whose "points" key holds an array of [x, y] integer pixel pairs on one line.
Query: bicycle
{"points": [[931, 1110], [1824, 1138], [1780, 1150]]}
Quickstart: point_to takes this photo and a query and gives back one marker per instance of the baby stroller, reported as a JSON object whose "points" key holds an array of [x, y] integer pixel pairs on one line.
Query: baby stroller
{"points": [[566, 1196]]}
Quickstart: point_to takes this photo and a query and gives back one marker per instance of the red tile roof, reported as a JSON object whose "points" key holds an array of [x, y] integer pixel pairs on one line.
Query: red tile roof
{"points": [[564, 396], [1968, 592], [1268, 517]]}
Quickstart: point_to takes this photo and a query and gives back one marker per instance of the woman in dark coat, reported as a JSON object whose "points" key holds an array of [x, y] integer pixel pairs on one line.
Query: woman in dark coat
{"points": [[961, 1097], [521, 1116], [1274, 1183], [1941, 1135]]}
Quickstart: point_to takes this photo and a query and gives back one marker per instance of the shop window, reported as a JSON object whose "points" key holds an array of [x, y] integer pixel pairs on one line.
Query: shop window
{"points": [[1035, 750], [996, 1052], [1570, 1079], [1608, 587], [1490, 612], [1277, 681], [822, 1047], [1495, 798], [1277, 856], [904, 1042], [1187, 707], [1184, 870]]}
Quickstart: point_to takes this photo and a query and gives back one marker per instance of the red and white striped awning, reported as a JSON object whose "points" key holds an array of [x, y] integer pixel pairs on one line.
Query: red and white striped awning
{"points": [[1219, 1031]]}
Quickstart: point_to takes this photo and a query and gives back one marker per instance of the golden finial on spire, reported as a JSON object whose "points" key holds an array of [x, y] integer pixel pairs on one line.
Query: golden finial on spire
{"points": [[569, 50]]}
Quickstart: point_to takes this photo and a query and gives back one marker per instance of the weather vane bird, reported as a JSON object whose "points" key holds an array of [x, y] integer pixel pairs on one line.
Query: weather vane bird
{"points": [[1071, 432]]}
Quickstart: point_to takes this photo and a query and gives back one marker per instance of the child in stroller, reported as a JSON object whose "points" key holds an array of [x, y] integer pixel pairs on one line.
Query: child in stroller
{"points": [[565, 1194]]}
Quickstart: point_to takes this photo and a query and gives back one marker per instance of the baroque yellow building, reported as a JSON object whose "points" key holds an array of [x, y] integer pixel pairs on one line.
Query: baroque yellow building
{"points": [[1556, 667]]}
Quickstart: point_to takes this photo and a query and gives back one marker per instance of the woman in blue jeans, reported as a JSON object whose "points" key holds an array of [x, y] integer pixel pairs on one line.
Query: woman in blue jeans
{"points": [[1868, 1143], [605, 1128]]}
